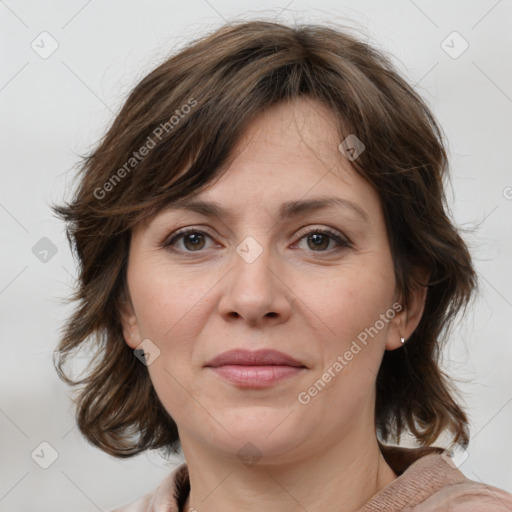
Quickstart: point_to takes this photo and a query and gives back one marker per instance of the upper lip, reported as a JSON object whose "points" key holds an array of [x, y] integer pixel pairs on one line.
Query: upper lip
{"points": [[263, 357]]}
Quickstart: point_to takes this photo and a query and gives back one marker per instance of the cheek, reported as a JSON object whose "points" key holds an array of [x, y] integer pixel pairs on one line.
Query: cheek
{"points": [[353, 342], [172, 308], [168, 300], [351, 299], [351, 307]]}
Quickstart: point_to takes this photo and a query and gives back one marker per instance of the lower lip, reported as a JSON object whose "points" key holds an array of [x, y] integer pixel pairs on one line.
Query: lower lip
{"points": [[256, 376]]}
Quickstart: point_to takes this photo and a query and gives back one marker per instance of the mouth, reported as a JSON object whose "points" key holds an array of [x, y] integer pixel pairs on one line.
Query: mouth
{"points": [[255, 369]]}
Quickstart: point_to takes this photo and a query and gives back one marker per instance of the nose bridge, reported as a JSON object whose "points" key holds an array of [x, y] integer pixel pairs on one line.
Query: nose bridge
{"points": [[252, 264], [254, 291]]}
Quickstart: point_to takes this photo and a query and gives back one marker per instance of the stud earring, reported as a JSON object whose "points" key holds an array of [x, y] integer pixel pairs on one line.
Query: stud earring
{"points": [[402, 340]]}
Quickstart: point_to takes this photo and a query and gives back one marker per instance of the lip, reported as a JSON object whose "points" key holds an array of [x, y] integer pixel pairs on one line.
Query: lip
{"points": [[255, 369], [262, 357]]}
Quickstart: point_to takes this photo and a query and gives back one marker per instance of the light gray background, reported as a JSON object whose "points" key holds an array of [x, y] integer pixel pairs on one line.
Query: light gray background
{"points": [[54, 108]]}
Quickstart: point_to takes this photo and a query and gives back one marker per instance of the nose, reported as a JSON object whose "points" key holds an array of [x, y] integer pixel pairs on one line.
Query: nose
{"points": [[256, 291]]}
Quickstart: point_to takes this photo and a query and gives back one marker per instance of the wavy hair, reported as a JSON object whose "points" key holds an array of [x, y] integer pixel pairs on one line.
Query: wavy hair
{"points": [[176, 133]]}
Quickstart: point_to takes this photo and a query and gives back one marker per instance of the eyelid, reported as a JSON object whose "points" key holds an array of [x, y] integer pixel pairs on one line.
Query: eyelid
{"points": [[341, 239], [183, 231], [333, 233]]}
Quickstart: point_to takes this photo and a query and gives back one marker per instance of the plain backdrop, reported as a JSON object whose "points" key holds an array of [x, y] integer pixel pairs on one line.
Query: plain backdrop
{"points": [[59, 91]]}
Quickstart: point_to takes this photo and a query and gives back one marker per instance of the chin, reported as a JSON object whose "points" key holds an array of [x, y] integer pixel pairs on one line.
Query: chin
{"points": [[252, 440]]}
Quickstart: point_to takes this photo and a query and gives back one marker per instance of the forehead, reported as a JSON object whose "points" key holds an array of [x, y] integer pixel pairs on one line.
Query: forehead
{"points": [[288, 162], [302, 130]]}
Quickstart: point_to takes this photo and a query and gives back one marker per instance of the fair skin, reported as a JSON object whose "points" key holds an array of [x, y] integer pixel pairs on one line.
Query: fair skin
{"points": [[305, 299]]}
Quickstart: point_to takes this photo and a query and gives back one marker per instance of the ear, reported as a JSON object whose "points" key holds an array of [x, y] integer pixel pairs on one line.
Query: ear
{"points": [[131, 332], [404, 323]]}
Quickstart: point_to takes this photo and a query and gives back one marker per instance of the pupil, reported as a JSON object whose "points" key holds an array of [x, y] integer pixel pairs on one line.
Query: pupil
{"points": [[317, 239], [194, 239]]}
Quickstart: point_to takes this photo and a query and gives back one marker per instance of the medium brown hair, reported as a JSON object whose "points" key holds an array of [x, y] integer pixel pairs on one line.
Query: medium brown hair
{"points": [[189, 113]]}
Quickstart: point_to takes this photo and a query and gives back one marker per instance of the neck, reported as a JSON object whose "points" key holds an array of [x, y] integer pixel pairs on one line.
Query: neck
{"points": [[341, 478]]}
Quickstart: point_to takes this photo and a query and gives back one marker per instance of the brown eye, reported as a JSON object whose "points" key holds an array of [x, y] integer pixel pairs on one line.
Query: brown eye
{"points": [[193, 240], [318, 240]]}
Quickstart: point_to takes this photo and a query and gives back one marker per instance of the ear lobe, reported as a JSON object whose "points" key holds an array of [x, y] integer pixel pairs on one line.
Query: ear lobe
{"points": [[130, 325], [406, 321]]}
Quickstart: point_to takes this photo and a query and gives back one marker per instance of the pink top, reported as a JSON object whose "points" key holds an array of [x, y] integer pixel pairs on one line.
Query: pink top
{"points": [[425, 476]]}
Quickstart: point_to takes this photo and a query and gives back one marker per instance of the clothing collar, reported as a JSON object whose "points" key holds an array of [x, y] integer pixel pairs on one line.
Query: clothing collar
{"points": [[420, 472]]}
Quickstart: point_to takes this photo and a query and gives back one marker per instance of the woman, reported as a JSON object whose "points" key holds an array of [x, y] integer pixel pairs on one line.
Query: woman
{"points": [[268, 272]]}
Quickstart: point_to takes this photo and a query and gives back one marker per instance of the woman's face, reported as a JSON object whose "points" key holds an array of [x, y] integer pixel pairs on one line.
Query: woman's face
{"points": [[252, 278]]}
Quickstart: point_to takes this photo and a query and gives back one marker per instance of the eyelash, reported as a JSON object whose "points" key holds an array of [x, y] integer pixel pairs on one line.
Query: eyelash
{"points": [[342, 243]]}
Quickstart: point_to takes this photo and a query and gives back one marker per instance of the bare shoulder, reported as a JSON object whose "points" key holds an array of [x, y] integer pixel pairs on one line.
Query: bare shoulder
{"points": [[469, 496]]}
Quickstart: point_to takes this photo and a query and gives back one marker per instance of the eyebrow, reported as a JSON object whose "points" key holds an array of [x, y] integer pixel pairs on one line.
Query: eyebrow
{"points": [[287, 210]]}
